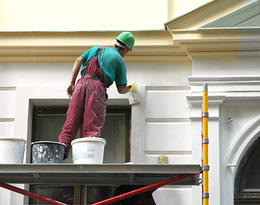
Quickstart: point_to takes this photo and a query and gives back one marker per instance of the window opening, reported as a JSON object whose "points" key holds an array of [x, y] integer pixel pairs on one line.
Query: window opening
{"points": [[247, 180], [47, 125]]}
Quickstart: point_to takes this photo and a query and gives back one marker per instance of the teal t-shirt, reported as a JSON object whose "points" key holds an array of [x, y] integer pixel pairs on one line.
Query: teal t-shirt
{"points": [[111, 63]]}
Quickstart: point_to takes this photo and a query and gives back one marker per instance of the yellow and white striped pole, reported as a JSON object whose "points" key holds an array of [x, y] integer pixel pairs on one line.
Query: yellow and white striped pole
{"points": [[205, 142]]}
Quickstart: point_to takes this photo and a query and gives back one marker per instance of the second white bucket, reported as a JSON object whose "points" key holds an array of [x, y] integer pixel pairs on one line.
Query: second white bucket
{"points": [[12, 150], [89, 150]]}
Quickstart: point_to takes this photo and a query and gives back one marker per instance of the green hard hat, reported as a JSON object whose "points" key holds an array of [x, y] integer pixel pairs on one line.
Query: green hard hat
{"points": [[127, 38]]}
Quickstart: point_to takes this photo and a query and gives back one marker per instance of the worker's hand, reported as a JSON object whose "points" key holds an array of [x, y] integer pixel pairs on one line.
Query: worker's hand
{"points": [[131, 87], [70, 90]]}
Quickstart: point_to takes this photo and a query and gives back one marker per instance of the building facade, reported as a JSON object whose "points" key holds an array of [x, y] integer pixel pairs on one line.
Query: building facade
{"points": [[217, 43]]}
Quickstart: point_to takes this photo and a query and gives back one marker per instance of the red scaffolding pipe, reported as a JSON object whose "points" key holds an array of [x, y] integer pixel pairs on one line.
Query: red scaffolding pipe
{"points": [[104, 202], [144, 189], [30, 194]]}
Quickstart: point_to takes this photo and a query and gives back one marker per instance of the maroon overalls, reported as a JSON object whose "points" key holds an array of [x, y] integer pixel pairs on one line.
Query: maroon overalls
{"points": [[87, 106]]}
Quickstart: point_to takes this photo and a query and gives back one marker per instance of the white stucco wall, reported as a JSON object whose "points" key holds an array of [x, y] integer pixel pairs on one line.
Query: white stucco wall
{"points": [[160, 123]]}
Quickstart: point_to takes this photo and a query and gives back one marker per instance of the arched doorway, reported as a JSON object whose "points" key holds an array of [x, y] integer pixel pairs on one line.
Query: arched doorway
{"points": [[247, 180]]}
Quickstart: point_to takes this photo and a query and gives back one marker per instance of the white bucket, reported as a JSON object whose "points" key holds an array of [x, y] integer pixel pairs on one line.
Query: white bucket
{"points": [[89, 150], [12, 150]]}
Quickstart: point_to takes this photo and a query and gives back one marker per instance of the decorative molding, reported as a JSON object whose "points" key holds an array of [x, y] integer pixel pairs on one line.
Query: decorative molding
{"points": [[168, 88], [236, 86], [227, 80], [242, 142], [61, 58], [65, 47], [7, 120], [198, 119], [212, 35], [167, 120], [168, 152], [7, 88], [218, 43], [196, 101]]}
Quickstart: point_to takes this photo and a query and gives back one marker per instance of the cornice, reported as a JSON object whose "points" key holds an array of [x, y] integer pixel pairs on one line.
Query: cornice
{"points": [[81, 38], [68, 54], [65, 47], [225, 34], [217, 42], [177, 45]]}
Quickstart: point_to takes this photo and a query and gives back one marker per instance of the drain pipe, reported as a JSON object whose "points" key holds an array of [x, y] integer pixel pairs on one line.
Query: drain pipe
{"points": [[30, 194], [144, 189]]}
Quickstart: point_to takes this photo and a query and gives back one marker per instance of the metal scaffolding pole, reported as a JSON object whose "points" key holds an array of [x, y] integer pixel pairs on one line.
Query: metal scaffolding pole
{"points": [[30, 194], [205, 142]]}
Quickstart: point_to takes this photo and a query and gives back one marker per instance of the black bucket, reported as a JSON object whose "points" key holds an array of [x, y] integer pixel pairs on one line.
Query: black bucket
{"points": [[47, 152]]}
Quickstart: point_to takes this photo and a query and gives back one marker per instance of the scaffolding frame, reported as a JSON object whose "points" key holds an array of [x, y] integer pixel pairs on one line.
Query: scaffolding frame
{"points": [[104, 202], [152, 175]]}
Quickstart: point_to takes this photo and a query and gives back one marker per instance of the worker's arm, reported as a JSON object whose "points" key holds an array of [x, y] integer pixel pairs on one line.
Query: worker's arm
{"points": [[122, 89], [74, 74]]}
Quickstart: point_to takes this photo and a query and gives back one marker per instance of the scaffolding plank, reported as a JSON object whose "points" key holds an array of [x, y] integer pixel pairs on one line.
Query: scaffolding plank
{"points": [[95, 174]]}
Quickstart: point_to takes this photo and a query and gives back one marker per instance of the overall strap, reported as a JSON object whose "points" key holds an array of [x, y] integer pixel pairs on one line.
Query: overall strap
{"points": [[98, 51], [96, 55], [100, 74]]}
